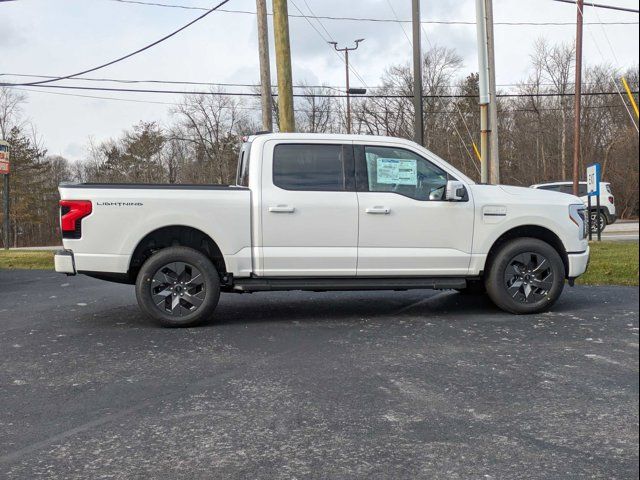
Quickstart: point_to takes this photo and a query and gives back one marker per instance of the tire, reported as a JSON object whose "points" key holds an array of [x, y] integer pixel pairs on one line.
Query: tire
{"points": [[178, 287], [520, 282], [598, 221]]}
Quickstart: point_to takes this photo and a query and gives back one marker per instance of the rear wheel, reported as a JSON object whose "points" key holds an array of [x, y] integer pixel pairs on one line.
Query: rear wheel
{"points": [[598, 221], [526, 276], [178, 287]]}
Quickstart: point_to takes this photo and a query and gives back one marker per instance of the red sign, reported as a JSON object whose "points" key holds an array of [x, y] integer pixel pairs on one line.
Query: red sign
{"points": [[4, 167]]}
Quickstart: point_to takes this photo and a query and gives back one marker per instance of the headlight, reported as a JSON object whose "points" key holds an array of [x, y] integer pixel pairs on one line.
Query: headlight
{"points": [[578, 215]]}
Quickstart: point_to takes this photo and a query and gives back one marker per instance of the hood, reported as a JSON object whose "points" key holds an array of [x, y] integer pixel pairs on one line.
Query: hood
{"points": [[540, 195]]}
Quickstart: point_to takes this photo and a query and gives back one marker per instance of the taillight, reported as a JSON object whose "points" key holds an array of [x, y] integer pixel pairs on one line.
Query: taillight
{"points": [[610, 199], [71, 214]]}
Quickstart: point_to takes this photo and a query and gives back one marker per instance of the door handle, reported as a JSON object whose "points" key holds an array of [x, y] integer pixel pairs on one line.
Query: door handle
{"points": [[282, 209], [378, 210]]}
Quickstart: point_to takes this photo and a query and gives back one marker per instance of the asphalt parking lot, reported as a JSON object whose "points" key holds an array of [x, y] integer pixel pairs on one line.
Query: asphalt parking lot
{"points": [[390, 385]]}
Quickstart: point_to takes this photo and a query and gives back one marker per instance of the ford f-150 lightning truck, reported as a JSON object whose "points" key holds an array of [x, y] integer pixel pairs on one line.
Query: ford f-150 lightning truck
{"points": [[324, 212]]}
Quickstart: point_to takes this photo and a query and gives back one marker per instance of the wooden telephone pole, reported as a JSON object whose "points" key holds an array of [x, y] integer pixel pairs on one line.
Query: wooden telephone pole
{"points": [[283, 65], [494, 151], [483, 80], [265, 69], [418, 124], [489, 157], [577, 99]]}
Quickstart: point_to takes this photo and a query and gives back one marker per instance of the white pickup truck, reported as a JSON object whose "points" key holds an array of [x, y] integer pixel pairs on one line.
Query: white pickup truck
{"points": [[324, 212]]}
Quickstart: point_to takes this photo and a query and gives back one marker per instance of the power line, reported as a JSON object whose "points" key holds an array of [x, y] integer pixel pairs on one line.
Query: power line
{"points": [[302, 95], [600, 5], [368, 19], [615, 82], [306, 17], [165, 82], [241, 107], [140, 50], [246, 85]]}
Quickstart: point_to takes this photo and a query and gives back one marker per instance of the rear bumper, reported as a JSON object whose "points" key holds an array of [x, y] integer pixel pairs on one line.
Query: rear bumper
{"points": [[611, 218], [64, 262], [578, 263]]}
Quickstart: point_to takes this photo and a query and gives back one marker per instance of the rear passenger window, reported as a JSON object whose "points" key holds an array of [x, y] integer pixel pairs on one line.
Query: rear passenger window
{"points": [[310, 167]]}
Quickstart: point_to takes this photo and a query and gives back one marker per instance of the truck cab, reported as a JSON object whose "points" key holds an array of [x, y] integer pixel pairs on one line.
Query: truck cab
{"points": [[325, 212]]}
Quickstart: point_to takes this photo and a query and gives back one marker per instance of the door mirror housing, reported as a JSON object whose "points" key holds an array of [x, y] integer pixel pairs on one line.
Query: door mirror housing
{"points": [[456, 191]]}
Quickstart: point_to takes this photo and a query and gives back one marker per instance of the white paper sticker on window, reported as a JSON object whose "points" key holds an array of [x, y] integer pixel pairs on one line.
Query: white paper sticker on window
{"points": [[392, 171], [408, 172], [387, 170]]}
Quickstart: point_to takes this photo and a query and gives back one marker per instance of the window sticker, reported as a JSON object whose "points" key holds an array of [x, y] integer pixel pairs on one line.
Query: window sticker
{"points": [[408, 172], [387, 169], [392, 171]]}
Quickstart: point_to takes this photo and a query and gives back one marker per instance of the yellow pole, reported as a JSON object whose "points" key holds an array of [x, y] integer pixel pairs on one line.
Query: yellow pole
{"points": [[475, 149], [631, 99]]}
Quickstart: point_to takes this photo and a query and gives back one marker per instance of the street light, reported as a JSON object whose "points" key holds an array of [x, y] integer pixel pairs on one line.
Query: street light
{"points": [[350, 91]]}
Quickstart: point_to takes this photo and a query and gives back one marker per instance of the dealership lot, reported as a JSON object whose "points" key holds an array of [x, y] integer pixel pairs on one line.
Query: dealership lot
{"points": [[315, 385]]}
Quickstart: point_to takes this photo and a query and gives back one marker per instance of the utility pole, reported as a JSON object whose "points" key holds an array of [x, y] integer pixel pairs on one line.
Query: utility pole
{"points": [[346, 51], [265, 69], [494, 151], [283, 65], [484, 100], [4, 172], [577, 99], [418, 123]]}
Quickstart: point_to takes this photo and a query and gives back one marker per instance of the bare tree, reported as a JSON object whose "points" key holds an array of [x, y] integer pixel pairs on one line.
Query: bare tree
{"points": [[10, 110]]}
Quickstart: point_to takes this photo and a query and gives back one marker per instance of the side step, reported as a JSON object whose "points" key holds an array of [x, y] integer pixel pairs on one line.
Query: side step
{"points": [[322, 284]]}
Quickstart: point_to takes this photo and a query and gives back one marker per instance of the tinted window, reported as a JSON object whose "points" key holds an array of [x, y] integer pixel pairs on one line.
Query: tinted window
{"points": [[243, 166], [553, 188], [406, 173], [309, 167]]}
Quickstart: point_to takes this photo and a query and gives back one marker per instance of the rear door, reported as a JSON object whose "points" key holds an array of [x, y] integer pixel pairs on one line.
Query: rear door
{"points": [[406, 226], [309, 209]]}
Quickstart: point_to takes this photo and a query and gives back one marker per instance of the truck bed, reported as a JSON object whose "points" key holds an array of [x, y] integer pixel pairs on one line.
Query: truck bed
{"points": [[124, 214]]}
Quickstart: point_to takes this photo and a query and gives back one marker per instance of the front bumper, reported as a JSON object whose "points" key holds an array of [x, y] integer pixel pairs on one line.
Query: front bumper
{"points": [[64, 262], [578, 263]]}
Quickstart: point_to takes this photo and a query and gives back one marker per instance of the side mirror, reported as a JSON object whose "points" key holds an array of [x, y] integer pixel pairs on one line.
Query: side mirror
{"points": [[456, 191]]}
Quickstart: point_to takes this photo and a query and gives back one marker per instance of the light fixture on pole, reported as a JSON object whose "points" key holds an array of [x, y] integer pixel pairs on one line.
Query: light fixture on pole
{"points": [[354, 91]]}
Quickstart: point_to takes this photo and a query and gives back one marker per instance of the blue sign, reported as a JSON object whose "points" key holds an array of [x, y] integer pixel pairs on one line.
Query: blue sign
{"points": [[593, 180]]}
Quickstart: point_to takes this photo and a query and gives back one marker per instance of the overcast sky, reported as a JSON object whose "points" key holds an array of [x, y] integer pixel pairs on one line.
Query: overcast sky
{"points": [[60, 37]]}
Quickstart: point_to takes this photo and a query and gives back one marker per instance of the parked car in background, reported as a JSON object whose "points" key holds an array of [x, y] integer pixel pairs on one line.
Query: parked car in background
{"points": [[324, 212], [599, 218]]}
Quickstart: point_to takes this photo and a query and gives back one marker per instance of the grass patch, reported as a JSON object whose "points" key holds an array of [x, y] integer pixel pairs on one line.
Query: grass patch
{"points": [[26, 259], [612, 263]]}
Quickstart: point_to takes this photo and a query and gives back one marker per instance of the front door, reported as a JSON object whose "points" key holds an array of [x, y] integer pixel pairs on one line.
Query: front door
{"points": [[407, 228], [309, 209]]}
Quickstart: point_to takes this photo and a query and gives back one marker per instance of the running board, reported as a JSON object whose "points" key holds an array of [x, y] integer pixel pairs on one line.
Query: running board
{"points": [[321, 284]]}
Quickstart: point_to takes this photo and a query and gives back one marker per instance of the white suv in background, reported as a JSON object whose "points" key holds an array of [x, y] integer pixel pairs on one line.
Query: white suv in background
{"points": [[606, 215]]}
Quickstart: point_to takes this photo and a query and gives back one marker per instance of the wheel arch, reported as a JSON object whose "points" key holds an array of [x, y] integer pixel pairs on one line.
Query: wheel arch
{"points": [[528, 231], [175, 235]]}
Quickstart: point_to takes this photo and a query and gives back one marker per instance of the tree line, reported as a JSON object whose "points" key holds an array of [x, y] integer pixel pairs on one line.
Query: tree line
{"points": [[200, 144]]}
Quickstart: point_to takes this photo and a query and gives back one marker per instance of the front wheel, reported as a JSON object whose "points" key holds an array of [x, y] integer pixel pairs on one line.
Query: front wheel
{"points": [[178, 287], [526, 276]]}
